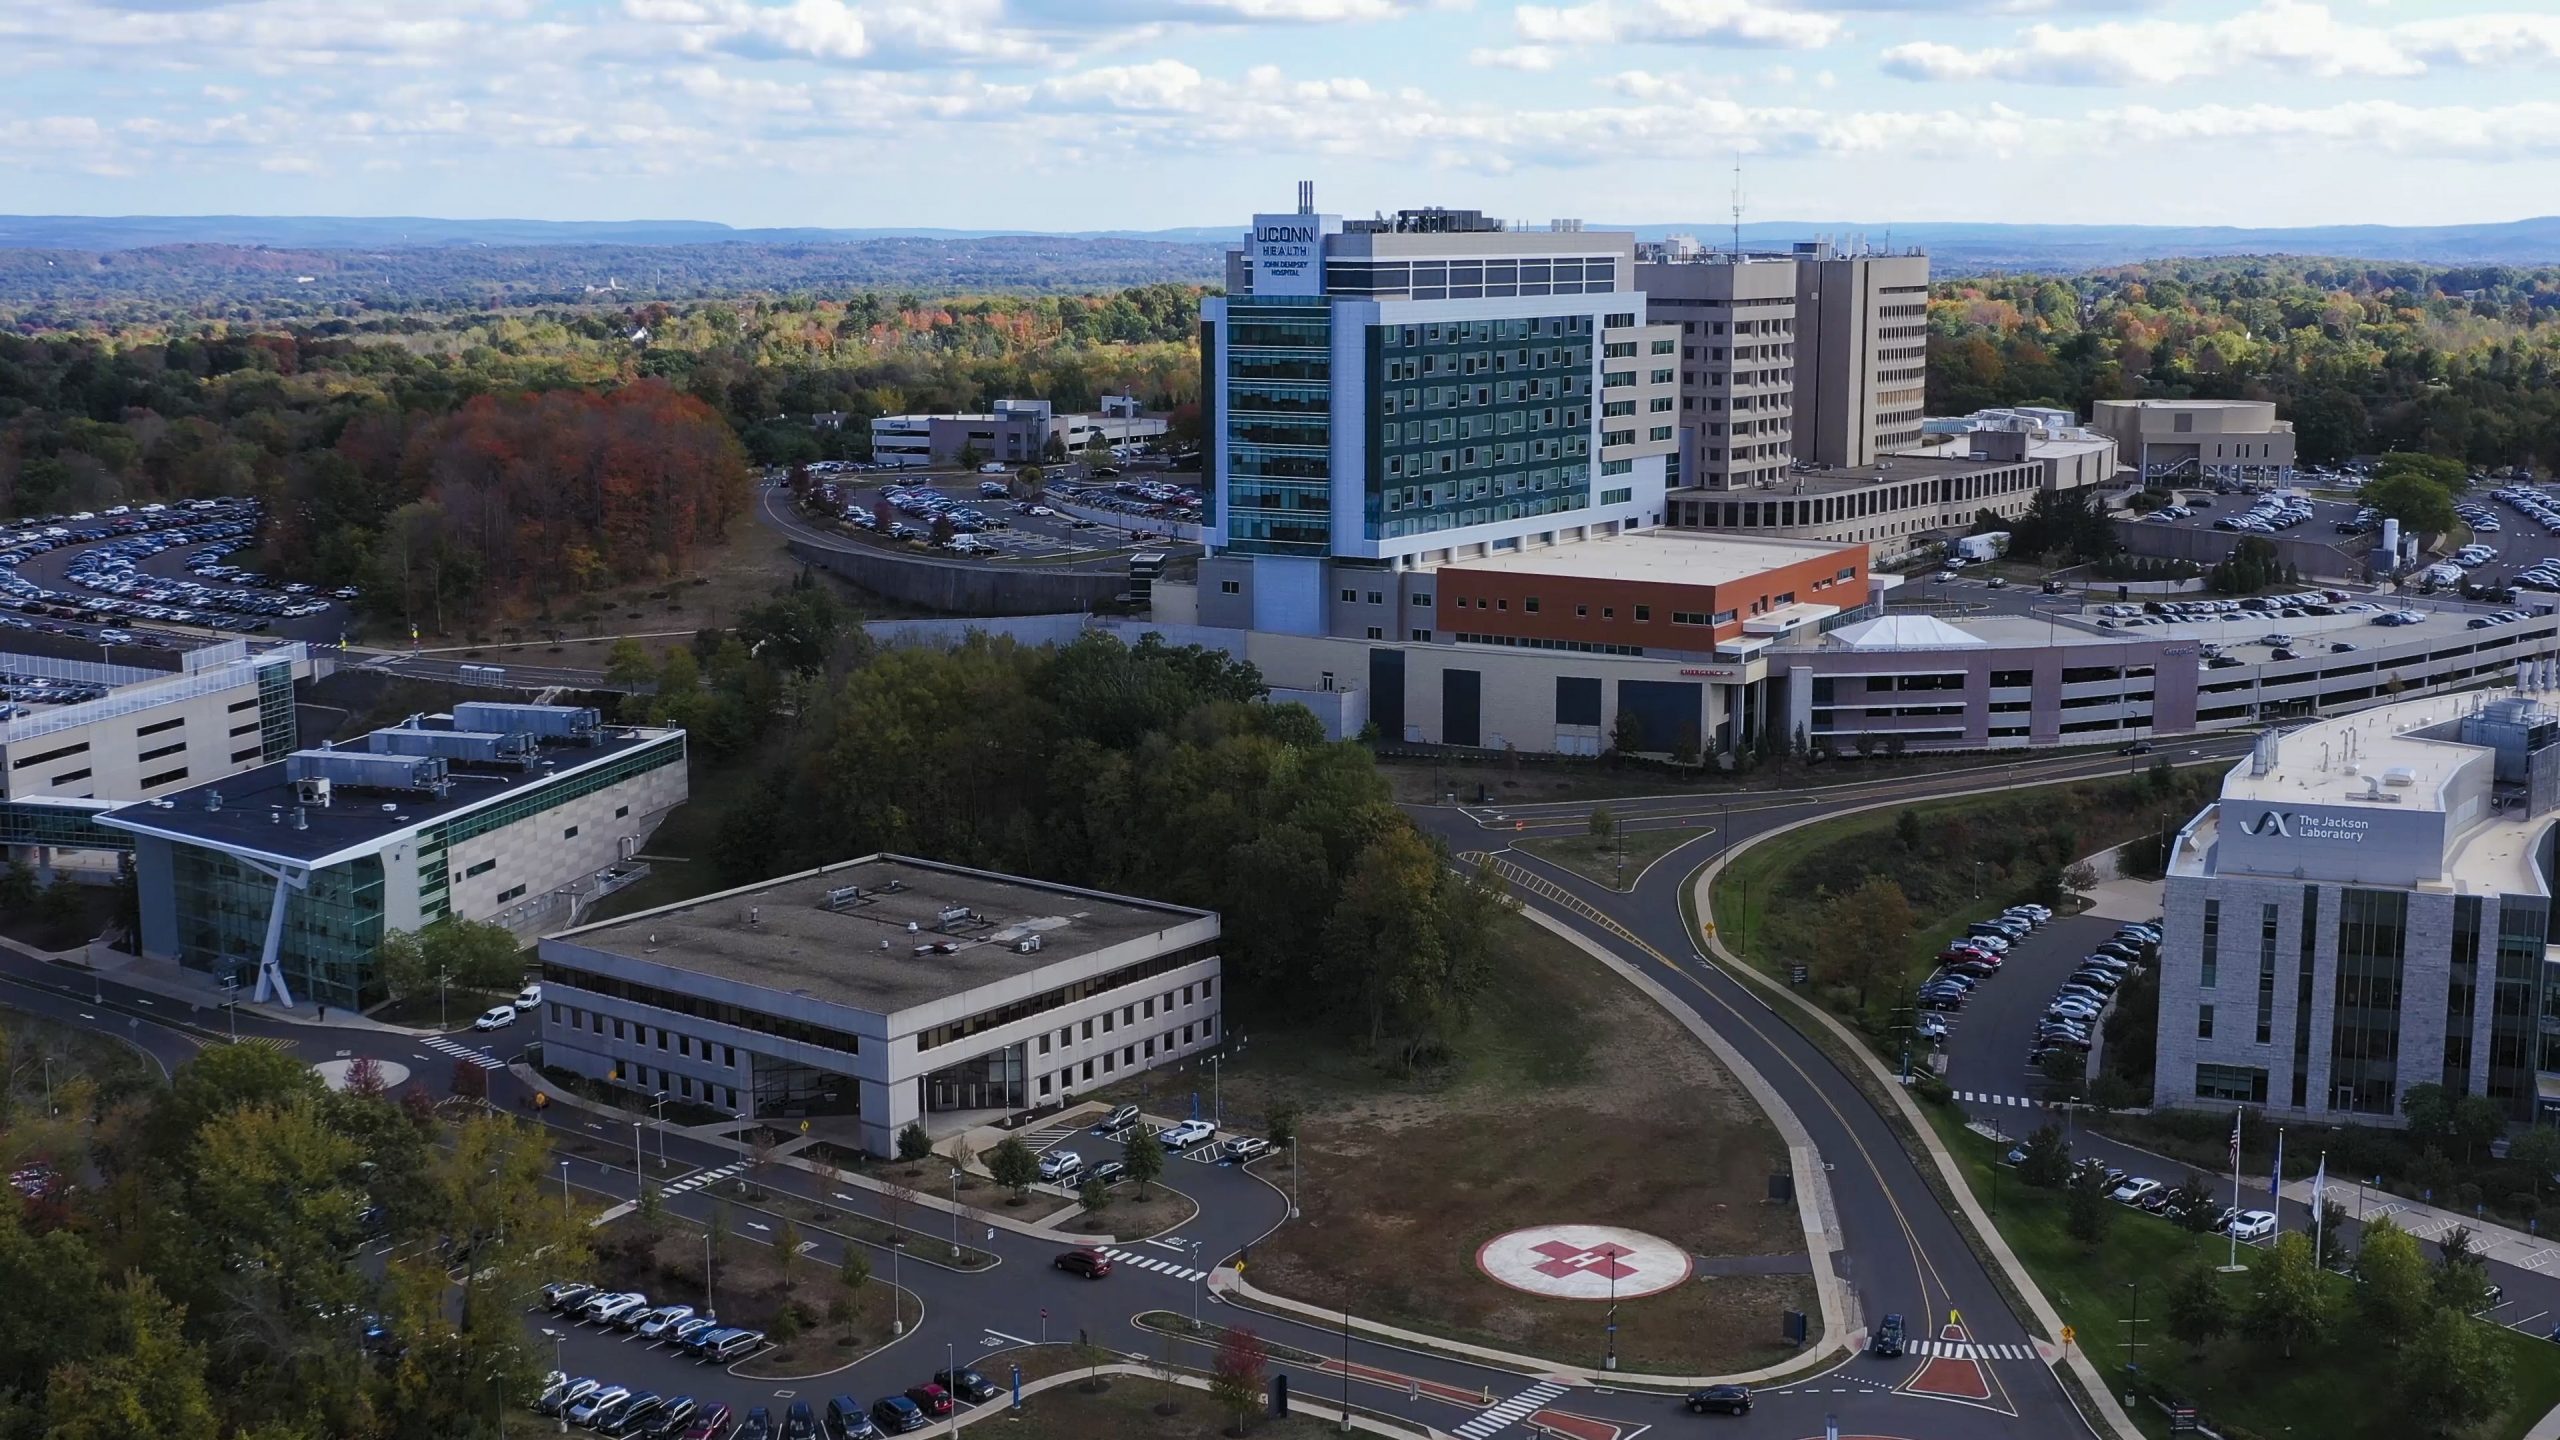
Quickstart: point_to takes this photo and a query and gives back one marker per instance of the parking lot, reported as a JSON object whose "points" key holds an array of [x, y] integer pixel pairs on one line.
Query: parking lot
{"points": [[1991, 1039], [979, 516], [124, 575]]}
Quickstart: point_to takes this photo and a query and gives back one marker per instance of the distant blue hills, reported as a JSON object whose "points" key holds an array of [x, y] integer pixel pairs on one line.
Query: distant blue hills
{"points": [[1955, 245]]}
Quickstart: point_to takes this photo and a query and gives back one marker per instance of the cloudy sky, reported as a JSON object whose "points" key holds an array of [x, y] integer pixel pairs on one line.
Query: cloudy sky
{"points": [[1081, 114]]}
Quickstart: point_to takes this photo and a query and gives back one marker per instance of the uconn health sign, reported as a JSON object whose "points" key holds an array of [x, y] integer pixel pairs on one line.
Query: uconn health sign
{"points": [[1288, 253]]}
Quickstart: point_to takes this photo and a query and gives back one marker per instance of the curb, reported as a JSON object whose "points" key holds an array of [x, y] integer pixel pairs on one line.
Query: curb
{"points": [[1702, 888], [1812, 1203]]}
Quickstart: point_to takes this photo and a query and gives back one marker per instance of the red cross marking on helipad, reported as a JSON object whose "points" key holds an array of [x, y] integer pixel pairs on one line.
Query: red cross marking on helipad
{"points": [[1603, 1260]]}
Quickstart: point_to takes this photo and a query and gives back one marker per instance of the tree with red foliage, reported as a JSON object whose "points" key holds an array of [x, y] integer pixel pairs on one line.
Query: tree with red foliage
{"points": [[470, 1081], [1236, 1375], [364, 1077]]}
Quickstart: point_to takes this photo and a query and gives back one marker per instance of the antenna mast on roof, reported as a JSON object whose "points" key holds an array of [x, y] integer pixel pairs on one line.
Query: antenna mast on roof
{"points": [[1737, 204]]}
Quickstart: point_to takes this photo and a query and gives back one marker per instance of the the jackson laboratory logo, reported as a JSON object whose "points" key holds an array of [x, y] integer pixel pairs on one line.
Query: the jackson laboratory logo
{"points": [[2270, 823]]}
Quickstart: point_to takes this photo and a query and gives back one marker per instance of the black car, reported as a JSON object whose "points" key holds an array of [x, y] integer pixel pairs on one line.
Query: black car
{"points": [[846, 1420], [627, 1418], [672, 1418], [969, 1385], [800, 1422], [757, 1426], [1887, 1341], [1721, 1400], [897, 1415], [2138, 747]]}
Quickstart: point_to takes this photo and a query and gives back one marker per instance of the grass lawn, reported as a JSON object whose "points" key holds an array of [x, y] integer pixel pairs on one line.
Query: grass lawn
{"points": [[752, 1290], [1126, 1409], [1976, 854], [1597, 857], [1129, 1218], [459, 1006], [1571, 1099], [2338, 1388], [42, 1052]]}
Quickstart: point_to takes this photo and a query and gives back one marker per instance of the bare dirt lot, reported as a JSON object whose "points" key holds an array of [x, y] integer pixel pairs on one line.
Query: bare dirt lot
{"points": [[1572, 1099]]}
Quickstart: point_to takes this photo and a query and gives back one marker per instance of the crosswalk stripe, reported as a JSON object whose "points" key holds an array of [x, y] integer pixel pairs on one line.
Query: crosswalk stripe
{"points": [[1511, 1411]]}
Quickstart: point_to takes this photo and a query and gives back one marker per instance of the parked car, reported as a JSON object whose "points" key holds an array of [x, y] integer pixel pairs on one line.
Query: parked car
{"points": [[848, 1420], [673, 1419], [1186, 1134], [757, 1426], [1109, 1172], [597, 1402], [656, 1324], [1245, 1149], [2253, 1225], [800, 1422], [528, 998], [496, 1017], [1084, 1260], [930, 1398], [898, 1415], [2133, 1190], [565, 1393], [1721, 1400], [565, 1294], [1061, 1166], [1120, 1118], [969, 1385], [728, 1345]]}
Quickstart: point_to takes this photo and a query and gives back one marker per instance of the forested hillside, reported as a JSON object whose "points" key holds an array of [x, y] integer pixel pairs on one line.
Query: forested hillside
{"points": [[2361, 357], [431, 460]]}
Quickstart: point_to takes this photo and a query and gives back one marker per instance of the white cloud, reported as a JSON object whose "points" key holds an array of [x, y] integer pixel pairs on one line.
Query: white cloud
{"points": [[1514, 57], [2383, 126], [1747, 23], [2292, 37]]}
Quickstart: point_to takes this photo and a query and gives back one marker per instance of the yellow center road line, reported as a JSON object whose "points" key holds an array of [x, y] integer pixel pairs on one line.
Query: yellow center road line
{"points": [[1513, 873]]}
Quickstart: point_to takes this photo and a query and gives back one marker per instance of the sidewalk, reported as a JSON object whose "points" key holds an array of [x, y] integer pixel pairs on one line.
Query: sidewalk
{"points": [[197, 989]]}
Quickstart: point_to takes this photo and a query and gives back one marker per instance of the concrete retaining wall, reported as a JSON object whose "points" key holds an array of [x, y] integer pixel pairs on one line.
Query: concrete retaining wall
{"points": [[962, 587]]}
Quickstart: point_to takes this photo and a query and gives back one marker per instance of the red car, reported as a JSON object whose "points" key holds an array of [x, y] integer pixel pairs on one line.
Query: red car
{"points": [[1090, 1263], [930, 1398], [712, 1424]]}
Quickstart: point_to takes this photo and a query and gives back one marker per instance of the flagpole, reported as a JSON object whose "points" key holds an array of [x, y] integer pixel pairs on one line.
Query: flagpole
{"points": [[2237, 1114], [2319, 1206], [2275, 1186]]}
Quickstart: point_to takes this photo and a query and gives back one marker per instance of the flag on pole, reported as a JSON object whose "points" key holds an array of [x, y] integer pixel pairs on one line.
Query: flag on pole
{"points": [[2320, 1183], [2235, 1141]]}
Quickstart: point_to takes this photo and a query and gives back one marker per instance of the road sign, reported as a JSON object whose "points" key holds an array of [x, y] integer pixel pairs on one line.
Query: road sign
{"points": [[2069, 1334], [2182, 1420]]}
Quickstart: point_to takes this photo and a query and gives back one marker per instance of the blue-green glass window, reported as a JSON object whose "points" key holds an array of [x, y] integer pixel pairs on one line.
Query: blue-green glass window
{"points": [[1275, 410]]}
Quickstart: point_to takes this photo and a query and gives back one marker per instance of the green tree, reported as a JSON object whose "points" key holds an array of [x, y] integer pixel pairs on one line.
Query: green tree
{"points": [[2048, 1159], [2451, 1375], [2393, 1290], [786, 1246], [2422, 505], [2291, 1302], [1094, 1195], [1281, 1125], [1626, 733], [1144, 1155], [2461, 1276], [2536, 1152], [2476, 1121], [913, 1143], [145, 1379], [400, 963], [2087, 1211], [481, 956], [1012, 1165], [2199, 1307], [1862, 939], [628, 666], [1604, 823], [18, 887], [851, 1276], [2428, 1107], [1907, 831]]}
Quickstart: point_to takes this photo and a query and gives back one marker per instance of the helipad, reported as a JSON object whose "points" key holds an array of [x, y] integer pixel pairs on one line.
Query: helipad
{"points": [[1584, 1262]]}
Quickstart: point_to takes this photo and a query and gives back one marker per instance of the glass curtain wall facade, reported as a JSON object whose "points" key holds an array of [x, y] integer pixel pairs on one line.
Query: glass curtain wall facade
{"points": [[2515, 1001], [1473, 422], [2462, 985], [277, 736], [2364, 1039], [1276, 407], [332, 928]]}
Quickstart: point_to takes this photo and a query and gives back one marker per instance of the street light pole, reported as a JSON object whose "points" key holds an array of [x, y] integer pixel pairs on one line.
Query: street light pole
{"points": [[1293, 1177], [707, 1307], [955, 1212], [564, 1184], [2133, 1327], [1196, 1287], [1610, 1360], [639, 1171], [559, 1363], [897, 1292], [658, 1107]]}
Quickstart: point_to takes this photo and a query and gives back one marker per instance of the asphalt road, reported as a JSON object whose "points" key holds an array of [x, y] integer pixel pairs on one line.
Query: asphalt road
{"points": [[1904, 1254]]}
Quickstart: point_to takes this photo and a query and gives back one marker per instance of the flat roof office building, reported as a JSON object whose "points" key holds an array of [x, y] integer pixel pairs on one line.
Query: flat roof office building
{"points": [[1016, 432], [2366, 908], [291, 873], [1399, 392], [885, 988], [137, 733]]}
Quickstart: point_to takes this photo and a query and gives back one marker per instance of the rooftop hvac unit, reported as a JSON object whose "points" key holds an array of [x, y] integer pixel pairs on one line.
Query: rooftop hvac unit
{"points": [[2399, 775], [843, 898], [572, 724], [357, 770], [469, 747], [314, 791], [1027, 945]]}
